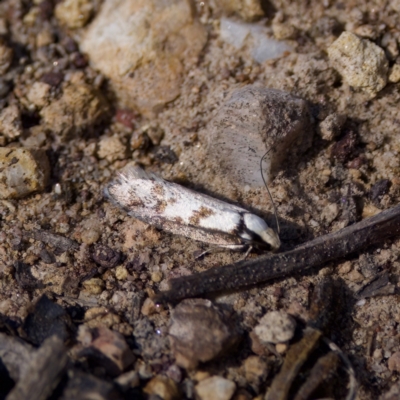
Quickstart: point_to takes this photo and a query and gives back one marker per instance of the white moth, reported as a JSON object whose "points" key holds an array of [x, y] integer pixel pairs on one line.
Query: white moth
{"points": [[182, 211]]}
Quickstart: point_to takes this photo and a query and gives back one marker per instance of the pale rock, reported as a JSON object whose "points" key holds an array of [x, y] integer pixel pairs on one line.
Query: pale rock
{"points": [[111, 148], [121, 273], [91, 230], [80, 106], [361, 63], [22, 172], [94, 285], [331, 126], [163, 387], [142, 46], [394, 74], [199, 332], [330, 212], [249, 10], [251, 121], [254, 37], [38, 94], [10, 122], [275, 327], [74, 13], [6, 57], [216, 388], [97, 316]]}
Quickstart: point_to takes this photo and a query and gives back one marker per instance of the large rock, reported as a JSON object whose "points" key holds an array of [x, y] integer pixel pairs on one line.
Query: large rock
{"points": [[251, 121], [142, 46]]}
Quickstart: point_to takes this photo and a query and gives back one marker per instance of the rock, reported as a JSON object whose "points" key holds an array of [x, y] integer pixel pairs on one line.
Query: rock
{"points": [[163, 387], [330, 212], [38, 94], [22, 172], [249, 10], [142, 46], [199, 332], [275, 327], [254, 37], [94, 285], [216, 388], [79, 107], [73, 13], [105, 256], [251, 121], [6, 57], [111, 148], [107, 347], [394, 362], [361, 63], [394, 74], [255, 370], [331, 126], [10, 122]]}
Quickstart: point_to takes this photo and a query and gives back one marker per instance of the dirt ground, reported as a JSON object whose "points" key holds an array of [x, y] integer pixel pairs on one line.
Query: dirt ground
{"points": [[88, 135]]}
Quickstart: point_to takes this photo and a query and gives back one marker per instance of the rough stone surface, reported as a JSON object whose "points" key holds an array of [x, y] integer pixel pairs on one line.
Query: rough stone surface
{"points": [[22, 172], [275, 327], [361, 63], [249, 10], [163, 387], [251, 121], [108, 347], [331, 126], [140, 46], [10, 122], [199, 332], [394, 362], [216, 388], [74, 13]]}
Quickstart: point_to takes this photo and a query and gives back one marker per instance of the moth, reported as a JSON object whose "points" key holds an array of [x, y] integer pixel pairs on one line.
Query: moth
{"points": [[182, 211]]}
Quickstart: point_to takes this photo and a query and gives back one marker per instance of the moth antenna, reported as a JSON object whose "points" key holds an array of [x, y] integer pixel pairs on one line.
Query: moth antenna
{"points": [[269, 193]]}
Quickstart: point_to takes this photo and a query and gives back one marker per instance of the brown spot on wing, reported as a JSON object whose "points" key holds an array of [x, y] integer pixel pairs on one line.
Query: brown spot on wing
{"points": [[198, 215]]}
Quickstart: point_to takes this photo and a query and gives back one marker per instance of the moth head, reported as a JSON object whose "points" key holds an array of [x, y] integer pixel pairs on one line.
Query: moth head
{"points": [[259, 227]]}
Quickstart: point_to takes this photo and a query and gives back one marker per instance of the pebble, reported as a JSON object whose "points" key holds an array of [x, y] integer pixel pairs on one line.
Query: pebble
{"points": [[355, 276], [74, 13], [254, 37], [10, 122], [361, 63], [394, 74], [22, 172], [38, 94], [94, 285], [116, 355], [331, 126], [330, 212], [216, 388], [121, 273], [105, 256], [163, 387], [394, 362], [255, 369], [101, 316], [6, 57], [252, 120], [128, 380], [275, 327], [143, 46], [249, 10], [199, 332], [111, 148]]}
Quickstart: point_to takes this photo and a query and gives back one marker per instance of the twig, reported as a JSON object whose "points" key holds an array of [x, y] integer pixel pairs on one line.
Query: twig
{"points": [[309, 255]]}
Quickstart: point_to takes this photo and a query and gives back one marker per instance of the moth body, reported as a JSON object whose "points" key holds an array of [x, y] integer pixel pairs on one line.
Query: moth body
{"points": [[182, 211]]}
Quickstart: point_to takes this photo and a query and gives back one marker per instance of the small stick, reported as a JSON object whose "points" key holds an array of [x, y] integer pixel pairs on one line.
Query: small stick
{"points": [[309, 255]]}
